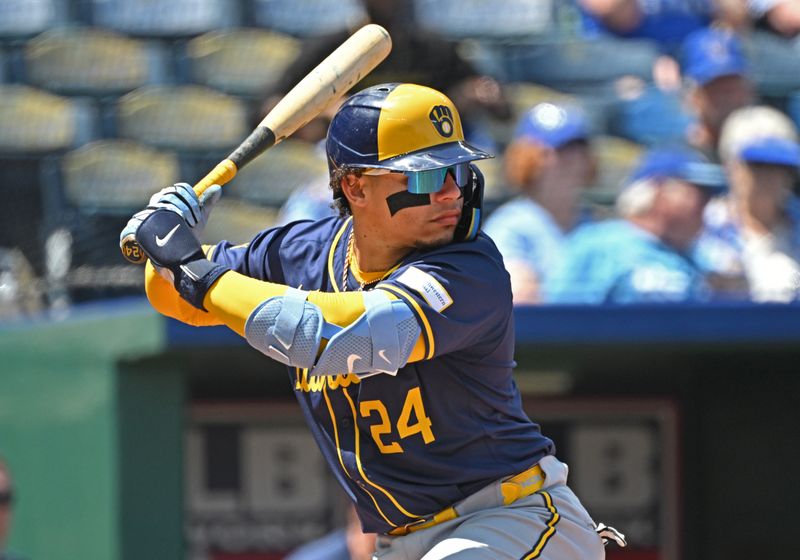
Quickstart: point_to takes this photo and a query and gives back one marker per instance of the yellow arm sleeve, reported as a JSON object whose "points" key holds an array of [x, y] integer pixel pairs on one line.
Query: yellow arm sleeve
{"points": [[165, 299]]}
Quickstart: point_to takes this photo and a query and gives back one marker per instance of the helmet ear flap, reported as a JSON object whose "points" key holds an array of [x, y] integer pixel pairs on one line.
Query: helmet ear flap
{"points": [[470, 222]]}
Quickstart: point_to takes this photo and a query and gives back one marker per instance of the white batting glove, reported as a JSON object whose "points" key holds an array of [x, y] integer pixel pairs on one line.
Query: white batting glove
{"points": [[181, 199]]}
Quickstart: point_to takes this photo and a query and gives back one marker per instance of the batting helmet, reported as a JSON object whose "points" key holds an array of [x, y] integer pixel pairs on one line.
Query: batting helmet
{"points": [[411, 129]]}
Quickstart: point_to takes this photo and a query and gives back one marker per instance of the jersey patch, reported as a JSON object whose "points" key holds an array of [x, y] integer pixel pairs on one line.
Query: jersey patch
{"points": [[428, 287]]}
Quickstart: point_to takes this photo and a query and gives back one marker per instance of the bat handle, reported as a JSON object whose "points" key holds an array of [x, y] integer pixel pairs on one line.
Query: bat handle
{"points": [[221, 174]]}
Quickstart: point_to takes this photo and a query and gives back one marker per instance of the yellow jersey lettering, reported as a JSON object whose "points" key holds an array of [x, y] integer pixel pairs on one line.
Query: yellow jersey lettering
{"points": [[405, 426], [381, 428], [315, 383]]}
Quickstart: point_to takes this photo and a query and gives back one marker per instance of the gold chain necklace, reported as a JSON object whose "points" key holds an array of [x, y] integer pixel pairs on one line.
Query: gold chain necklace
{"points": [[347, 258]]}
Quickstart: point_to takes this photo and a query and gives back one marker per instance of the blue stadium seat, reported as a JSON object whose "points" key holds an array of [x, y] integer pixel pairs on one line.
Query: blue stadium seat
{"points": [[241, 62], [182, 118], [25, 18], [774, 63], [165, 18], [87, 61], [485, 18], [569, 65], [308, 18]]}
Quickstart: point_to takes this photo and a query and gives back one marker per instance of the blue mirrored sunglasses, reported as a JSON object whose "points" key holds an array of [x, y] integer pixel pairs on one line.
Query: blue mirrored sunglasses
{"points": [[429, 180]]}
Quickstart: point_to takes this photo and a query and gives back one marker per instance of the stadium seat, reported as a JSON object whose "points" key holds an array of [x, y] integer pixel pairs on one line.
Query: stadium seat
{"points": [[86, 61], [241, 62], [24, 18], [774, 63], [36, 122], [308, 18], [485, 18], [269, 179], [182, 118], [568, 65], [165, 18], [116, 176]]}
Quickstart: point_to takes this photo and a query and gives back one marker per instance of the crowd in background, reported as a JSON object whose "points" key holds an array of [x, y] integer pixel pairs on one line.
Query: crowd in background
{"points": [[647, 151]]}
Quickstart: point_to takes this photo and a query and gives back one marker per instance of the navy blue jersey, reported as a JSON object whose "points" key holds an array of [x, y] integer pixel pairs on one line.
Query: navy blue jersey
{"points": [[409, 445]]}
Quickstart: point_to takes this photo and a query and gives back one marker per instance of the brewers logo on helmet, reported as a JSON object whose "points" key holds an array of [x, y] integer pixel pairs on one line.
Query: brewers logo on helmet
{"points": [[411, 129]]}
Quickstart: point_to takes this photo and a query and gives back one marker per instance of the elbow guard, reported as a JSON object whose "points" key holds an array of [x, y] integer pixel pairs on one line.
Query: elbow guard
{"points": [[290, 330], [380, 341]]}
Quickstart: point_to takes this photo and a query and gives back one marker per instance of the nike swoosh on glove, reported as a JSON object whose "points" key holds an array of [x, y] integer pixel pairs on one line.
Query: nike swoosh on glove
{"points": [[168, 241]]}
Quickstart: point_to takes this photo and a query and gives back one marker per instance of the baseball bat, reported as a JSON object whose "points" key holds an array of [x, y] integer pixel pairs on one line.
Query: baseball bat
{"points": [[330, 80]]}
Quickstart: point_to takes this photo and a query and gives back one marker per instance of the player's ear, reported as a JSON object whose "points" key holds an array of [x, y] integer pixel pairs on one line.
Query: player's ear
{"points": [[353, 189]]}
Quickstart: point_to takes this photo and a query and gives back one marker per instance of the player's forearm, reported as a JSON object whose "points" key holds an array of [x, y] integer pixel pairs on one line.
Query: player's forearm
{"points": [[165, 299]]}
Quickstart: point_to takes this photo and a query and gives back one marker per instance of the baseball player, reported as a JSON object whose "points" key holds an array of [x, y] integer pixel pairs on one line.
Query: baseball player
{"points": [[395, 322]]}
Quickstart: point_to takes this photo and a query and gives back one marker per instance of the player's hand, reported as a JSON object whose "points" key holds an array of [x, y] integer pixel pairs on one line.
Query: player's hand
{"points": [[169, 243], [181, 199]]}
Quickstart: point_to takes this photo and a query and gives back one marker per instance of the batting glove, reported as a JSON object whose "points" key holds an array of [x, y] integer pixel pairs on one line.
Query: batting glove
{"points": [[181, 199], [169, 243]]}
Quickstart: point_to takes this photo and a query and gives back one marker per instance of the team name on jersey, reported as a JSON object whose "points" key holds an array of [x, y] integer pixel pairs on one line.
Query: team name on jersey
{"points": [[315, 383]]}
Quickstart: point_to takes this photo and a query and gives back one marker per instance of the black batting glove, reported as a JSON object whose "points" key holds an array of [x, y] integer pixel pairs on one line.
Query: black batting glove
{"points": [[168, 241]]}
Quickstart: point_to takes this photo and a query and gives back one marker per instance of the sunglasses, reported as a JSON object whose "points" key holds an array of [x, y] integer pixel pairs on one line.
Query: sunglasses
{"points": [[429, 180], [6, 497]]}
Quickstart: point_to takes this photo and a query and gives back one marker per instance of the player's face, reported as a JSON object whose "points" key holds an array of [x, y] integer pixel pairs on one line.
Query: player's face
{"points": [[427, 220]]}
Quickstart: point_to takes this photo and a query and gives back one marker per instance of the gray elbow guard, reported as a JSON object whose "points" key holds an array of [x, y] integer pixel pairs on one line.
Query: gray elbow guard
{"points": [[380, 341], [287, 328]]}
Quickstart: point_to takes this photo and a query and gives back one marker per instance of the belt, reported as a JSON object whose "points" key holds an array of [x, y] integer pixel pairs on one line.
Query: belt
{"points": [[512, 489]]}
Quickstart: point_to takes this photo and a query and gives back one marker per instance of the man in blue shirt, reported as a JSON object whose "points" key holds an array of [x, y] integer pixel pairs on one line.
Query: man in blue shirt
{"points": [[643, 257]]}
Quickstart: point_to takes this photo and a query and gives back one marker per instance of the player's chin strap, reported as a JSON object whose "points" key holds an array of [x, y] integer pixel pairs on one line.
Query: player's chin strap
{"points": [[609, 534], [291, 330]]}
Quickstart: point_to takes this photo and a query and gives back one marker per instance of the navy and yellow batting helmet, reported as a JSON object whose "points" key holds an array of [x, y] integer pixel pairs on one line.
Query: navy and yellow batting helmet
{"points": [[402, 127], [411, 129]]}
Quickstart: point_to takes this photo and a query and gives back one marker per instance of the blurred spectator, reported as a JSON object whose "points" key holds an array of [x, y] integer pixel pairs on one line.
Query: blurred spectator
{"points": [[643, 257], [716, 70], [779, 16], [753, 233], [666, 22], [417, 57], [689, 101], [6, 504], [550, 162], [347, 543]]}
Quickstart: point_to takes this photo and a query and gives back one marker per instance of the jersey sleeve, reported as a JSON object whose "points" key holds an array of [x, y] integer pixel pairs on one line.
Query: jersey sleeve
{"points": [[461, 295]]}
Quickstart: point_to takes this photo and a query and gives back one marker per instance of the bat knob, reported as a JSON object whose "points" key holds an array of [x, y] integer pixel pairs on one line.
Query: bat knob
{"points": [[131, 250]]}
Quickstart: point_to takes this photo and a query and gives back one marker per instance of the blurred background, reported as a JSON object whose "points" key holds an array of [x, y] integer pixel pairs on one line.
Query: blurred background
{"points": [[657, 328]]}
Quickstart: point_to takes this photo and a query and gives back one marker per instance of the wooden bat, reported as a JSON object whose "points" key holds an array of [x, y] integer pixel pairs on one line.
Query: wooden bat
{"points": [[330, 80]]}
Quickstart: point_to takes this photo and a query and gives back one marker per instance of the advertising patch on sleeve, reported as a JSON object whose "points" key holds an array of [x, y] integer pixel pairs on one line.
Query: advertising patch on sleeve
{"points": [[428, 287]]}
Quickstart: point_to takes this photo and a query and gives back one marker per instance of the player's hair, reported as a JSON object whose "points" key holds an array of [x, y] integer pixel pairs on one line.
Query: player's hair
{"points": [[340, 201]]}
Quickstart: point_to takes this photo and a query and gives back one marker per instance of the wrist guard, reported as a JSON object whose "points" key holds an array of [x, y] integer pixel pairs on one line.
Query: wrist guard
{"points": [[169, 242]]}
